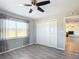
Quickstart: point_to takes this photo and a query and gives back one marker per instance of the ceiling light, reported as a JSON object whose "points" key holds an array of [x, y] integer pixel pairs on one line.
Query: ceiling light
{"points": [[21, 5]]}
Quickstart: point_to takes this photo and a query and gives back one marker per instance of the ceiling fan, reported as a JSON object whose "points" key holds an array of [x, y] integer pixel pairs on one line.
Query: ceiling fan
{"points": [[35, 4]]}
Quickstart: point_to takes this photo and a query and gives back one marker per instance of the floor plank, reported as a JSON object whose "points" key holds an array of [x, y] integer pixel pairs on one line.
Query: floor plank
{"points": [[38, 52]]}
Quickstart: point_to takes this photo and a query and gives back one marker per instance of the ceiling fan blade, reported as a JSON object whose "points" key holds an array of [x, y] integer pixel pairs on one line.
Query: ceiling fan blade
{"points": [[30, 11], [40, 9], [43, 3], [27, 5]]}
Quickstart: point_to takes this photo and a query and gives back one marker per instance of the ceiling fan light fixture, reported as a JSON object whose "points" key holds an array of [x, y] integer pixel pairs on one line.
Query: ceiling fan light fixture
{"points": [[33, 7], [36, 5]]}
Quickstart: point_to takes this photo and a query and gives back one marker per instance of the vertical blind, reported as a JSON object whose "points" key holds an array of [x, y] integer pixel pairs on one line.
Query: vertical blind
{"points": [[13, 29]]}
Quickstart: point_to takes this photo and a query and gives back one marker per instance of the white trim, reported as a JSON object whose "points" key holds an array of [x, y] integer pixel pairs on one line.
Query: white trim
{"points": [[16, 48], [53, 47], [60, 48]]}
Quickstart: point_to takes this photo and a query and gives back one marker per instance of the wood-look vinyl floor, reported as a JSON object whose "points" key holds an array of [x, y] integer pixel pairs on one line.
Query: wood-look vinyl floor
{"points": [[38, 52], [72, 44]]}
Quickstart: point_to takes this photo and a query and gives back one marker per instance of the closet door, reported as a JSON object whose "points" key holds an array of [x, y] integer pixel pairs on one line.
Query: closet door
{"points": [[53, 33], [43, 32], [47, 33]]}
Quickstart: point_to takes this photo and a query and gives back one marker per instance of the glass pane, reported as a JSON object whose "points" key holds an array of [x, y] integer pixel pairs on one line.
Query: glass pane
{"points": [[10, 29], [22, 29]]}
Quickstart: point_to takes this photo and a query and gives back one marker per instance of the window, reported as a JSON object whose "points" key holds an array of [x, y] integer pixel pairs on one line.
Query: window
{"points": [[22, 29], [14, 29], [10, 29]]}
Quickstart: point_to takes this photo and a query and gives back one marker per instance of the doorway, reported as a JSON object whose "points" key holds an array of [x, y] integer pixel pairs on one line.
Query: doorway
{"points": [[72, 34]]}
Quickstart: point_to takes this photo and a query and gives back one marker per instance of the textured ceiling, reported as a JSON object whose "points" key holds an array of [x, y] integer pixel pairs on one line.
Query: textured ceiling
{"points": [[56, 7]]}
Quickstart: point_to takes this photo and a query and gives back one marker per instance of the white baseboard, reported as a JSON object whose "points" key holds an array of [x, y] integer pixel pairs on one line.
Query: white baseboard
{"points": [[16, 48], [51, 47], [60, 48]]}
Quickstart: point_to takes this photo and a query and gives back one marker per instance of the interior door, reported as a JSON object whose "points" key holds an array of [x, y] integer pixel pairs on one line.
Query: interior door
{"points": [[47, 33], [43, 33], [53, 33]]}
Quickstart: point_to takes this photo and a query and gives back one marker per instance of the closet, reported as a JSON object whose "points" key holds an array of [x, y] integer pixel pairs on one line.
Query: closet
{"points": [[46, 33]]}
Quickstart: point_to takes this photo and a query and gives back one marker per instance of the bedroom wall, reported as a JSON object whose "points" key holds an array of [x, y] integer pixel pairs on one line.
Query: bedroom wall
{"points": [[61, 33]]}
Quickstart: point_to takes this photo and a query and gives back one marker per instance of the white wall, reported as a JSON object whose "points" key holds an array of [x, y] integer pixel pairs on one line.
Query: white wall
{"points": [[61, 33], [32, 32]]}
